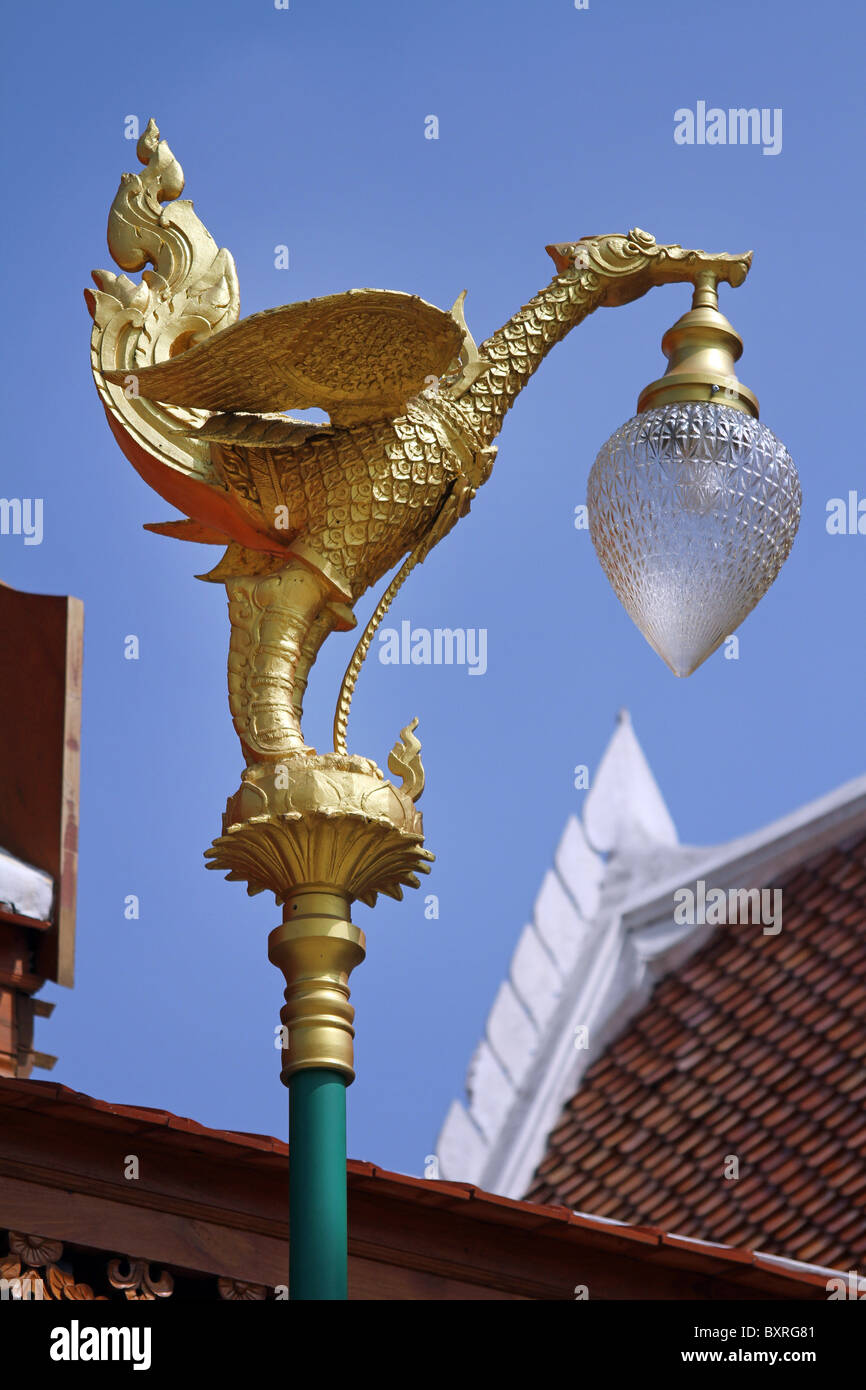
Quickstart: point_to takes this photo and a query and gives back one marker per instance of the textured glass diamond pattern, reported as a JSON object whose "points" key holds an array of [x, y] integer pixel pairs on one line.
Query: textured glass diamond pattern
{"points": [[693, 510]]}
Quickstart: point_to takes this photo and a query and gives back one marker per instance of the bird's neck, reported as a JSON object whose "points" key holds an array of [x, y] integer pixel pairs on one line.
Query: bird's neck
{"points": [[517, 349]]}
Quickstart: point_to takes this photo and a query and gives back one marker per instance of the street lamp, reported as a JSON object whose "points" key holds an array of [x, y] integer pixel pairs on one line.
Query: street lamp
{"points": [[311, 515], [693, 504]]}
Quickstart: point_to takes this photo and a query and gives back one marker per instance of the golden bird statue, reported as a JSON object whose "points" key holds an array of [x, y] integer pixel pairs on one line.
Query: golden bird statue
{"points": [[312, 514]]}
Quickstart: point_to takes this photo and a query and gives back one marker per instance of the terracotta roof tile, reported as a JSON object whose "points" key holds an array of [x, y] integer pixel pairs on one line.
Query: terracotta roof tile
{"points": [[754, 1048]]}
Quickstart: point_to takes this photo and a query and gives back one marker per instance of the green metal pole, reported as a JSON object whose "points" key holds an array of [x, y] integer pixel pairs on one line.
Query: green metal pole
{"points": [[317, 1185]]}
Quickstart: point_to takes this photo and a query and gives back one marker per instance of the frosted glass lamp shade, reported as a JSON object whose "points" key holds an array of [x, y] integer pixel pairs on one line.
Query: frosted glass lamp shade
{"points": [[693, 509]]}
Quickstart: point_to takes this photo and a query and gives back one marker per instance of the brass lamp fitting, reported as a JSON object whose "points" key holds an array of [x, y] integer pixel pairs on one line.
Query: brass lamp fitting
{"points": [[701, 349]]}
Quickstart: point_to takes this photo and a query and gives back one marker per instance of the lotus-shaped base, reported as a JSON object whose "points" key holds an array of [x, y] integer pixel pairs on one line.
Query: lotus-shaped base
{"points": [[327, 819]]}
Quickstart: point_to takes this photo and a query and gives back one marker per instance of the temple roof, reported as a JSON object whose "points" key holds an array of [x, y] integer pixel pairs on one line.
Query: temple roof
{"points": [[212, 1205], [629, 1051], [754, 1048]]}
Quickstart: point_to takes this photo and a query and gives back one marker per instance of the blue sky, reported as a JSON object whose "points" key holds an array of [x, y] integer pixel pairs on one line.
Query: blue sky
{"points": [[305, 127]]}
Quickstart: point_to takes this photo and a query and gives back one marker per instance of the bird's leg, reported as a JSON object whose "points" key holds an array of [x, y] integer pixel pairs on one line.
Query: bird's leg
{"points": [[336, 616], [274, 623]]}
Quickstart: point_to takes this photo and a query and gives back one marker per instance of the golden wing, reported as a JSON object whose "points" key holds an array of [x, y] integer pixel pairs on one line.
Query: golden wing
{"points": [[359, 356]]}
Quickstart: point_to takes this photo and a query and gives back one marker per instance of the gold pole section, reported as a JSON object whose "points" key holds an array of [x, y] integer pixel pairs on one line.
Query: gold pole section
{"points": [[317, 947]]}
